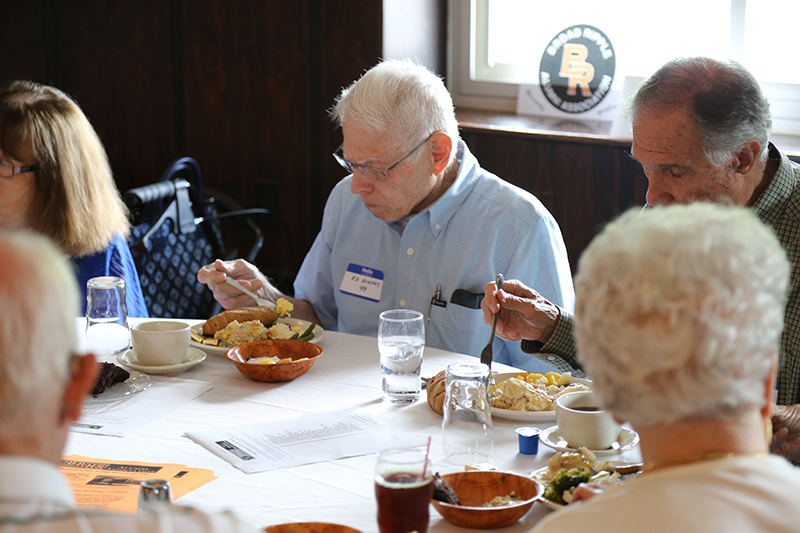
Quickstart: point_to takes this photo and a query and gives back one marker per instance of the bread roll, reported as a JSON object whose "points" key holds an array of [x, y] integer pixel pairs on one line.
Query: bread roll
{"points": [[265, 315], [435, 390]]}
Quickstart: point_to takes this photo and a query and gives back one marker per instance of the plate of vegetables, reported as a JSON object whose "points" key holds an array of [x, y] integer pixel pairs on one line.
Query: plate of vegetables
{"points": [[565, 471]]}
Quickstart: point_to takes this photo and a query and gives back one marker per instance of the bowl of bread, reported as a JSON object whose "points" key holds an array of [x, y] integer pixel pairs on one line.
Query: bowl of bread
{"points": [[274, 360]]}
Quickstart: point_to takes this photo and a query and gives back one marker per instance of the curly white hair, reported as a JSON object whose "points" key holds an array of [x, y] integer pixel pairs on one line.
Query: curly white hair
{"points": [[679, 312]]}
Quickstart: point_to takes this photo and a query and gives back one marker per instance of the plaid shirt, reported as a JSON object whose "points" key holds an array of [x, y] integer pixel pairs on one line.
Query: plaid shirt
{"points": [[778, 207]]}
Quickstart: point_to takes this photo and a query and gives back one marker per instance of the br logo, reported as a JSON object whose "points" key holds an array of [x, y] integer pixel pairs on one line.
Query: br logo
{"points": [[577, 69]]}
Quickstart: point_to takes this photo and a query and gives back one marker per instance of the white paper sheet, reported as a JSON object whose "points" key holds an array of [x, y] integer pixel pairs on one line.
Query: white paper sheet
{"points": [[120, 416], [303, 440]]}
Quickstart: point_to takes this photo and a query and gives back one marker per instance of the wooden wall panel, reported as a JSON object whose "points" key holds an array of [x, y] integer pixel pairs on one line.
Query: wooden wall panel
{"points": [[242, 86], [113, 58], [24, 39]]}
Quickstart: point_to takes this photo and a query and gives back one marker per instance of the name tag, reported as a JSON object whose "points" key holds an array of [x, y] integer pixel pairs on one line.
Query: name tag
{"points": [[363, 282]]}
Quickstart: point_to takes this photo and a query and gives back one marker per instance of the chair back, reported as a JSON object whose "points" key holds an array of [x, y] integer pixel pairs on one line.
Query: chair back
{"points": [[176, 232]]}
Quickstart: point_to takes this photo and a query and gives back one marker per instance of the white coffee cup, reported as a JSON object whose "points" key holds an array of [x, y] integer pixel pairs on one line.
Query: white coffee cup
{"points": [[160, 342], [583, 422]]}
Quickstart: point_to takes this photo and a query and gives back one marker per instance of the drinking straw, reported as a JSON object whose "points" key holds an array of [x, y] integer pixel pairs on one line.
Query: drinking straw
{"points": [[427, 453]]}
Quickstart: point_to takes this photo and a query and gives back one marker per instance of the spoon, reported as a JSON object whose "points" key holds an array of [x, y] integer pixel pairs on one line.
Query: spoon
{"points": [[233, 283], [486, 353]]}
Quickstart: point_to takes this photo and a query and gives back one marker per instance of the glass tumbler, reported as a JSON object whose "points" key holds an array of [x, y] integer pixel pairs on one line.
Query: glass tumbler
{"points": [[107, 331], [467, 431], [401, 340], [403, 490]]}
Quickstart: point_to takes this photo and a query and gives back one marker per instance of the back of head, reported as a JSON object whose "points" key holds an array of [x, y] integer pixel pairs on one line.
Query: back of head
{"points": [[679, 312], [402, 98], [38, 306], [76, 202], [723, 99]]}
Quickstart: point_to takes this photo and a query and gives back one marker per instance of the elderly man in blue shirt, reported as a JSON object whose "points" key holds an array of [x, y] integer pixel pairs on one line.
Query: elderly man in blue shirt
{"points": [[417, 224]]}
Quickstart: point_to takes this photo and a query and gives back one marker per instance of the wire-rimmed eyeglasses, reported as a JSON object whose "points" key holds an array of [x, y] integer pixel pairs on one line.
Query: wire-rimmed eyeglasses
{"points": [[8, 170], [373, 173]]}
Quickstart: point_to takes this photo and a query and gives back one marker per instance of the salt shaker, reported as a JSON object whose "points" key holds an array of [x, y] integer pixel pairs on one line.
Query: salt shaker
{"points": [[467, 430], [153, 493]]}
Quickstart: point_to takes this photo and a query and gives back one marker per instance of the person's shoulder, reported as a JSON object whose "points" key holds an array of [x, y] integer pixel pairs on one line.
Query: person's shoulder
{"points": [[516, 201], [341, 193], [341, 199]]}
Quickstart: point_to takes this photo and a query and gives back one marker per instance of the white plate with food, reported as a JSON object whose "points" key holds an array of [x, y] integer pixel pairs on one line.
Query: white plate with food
{"points": [[136, 382], [193, 357], [627, 440], [529, 416], [291, 322], [602, 476]]}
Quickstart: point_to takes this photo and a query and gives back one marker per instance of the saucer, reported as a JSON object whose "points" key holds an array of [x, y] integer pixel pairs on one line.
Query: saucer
{"points": [[627, 439], [193, 357]]}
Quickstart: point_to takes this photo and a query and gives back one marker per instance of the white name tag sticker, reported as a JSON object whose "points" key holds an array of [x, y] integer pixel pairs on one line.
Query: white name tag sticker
{"points": [[363, 282]]}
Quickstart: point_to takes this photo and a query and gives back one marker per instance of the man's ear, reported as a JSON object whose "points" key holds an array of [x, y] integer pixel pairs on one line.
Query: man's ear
{"points": [[83, 370], [747, 156], [441, 147]]}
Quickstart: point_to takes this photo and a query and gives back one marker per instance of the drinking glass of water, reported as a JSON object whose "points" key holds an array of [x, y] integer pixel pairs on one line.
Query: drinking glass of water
{"points": [[107, 332], [401, 339]]}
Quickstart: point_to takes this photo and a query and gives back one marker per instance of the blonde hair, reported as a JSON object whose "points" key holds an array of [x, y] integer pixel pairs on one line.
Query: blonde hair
{"points": [[75, 202], [679, 312]]}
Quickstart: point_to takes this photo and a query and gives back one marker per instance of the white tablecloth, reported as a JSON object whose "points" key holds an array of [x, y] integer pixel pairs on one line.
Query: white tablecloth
{"points": [[342, 491]]}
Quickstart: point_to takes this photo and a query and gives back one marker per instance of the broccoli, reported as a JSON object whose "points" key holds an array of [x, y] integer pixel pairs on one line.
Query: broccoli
{"points": [[565, 480]]}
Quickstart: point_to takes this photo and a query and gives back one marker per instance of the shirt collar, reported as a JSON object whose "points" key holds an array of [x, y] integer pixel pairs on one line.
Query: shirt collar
{"points": [[442, 210], [28, 478]]}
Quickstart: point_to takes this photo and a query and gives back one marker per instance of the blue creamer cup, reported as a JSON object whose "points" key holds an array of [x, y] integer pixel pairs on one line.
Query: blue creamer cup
{"points": [[528, 440]]}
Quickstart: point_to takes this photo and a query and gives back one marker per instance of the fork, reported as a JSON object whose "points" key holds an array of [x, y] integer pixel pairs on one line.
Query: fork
{"points": [[486, 353], [233, 283]]}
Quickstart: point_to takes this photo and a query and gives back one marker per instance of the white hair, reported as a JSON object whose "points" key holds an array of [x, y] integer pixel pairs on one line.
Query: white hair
{"points": [[38, 306], [402, 98], [679, 312]]}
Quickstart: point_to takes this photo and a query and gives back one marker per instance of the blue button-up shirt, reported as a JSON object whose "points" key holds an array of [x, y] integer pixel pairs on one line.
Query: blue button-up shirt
{"points": [[479, 227]]}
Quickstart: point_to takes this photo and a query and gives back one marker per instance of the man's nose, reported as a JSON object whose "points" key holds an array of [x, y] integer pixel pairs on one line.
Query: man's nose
{"points": [[657, 193], [360, 183]]}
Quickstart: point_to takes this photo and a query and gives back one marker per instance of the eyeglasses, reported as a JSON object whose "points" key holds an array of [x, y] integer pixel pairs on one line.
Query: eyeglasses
{"points": [[8, 170], [373, 173]]}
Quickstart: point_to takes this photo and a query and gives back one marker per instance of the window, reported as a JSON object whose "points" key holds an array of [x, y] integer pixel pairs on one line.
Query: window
{"points": [[496, 45]]}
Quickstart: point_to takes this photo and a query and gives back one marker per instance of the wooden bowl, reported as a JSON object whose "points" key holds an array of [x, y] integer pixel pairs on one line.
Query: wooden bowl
{"points": [[283, 349], [474, 488], [309, 527]]}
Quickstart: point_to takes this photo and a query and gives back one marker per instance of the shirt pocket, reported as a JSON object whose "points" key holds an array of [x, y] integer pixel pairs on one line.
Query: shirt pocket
{"points": [[458, 328]]}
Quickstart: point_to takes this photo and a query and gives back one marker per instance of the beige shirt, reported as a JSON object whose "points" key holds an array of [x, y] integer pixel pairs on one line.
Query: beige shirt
{"points": [[746, 494]]}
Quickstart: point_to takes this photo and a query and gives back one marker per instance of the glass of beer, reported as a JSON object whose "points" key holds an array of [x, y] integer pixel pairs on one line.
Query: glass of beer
{"points": [[403, 488]]}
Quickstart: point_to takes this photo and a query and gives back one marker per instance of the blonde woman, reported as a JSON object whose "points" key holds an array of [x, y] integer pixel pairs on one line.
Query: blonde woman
{"points": [[55, 179]]}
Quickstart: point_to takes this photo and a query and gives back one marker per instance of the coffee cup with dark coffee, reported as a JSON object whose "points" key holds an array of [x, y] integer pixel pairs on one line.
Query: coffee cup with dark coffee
{"points": [[583, 422]]}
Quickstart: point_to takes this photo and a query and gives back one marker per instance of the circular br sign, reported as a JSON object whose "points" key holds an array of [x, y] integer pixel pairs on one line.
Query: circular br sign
{"points": [[577, 69]]}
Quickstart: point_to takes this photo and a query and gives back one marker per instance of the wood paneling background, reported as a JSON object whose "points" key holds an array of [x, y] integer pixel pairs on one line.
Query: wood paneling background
{"points": [[242, 86]]}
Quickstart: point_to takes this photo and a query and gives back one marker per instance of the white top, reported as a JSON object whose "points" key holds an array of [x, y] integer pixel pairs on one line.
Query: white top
{"points": [[743, 494], [34, 497]]}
